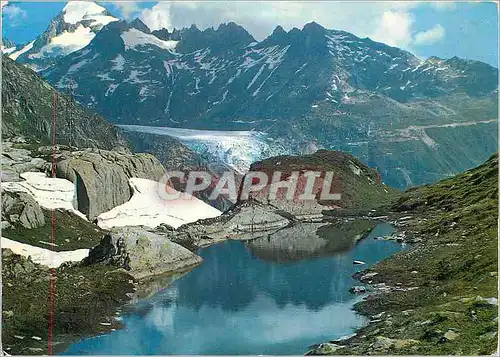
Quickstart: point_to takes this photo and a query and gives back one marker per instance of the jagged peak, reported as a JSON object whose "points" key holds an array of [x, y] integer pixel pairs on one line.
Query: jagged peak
{"points": [[229, 25], [278, 30], [139, 25], [313, 27], [279, 35]]}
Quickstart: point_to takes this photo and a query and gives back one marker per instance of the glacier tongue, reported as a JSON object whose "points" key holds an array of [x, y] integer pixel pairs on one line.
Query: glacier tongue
{"points": [[237, 149]]}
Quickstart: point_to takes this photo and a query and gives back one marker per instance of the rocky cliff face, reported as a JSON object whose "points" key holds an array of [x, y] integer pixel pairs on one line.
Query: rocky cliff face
{"points": [[27, 111], [224, 78], [101, 177]]}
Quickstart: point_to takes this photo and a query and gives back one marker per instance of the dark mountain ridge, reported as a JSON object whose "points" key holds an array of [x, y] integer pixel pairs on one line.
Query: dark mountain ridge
{"points": [[346, 93]]}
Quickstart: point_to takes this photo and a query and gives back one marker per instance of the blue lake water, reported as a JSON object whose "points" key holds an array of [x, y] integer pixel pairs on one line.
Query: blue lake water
{"points": [[237, 303]]}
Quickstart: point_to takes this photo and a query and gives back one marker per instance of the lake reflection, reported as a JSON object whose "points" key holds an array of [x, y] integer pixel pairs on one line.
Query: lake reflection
{"points": [[238, 303]]}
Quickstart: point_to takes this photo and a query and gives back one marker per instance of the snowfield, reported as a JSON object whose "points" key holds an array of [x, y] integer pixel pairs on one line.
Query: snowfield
{"points": [[7, 51], [76, 11], [133, 38], [50, 193], [66, 42], [44, 256], [147, 208], [26, 48]]}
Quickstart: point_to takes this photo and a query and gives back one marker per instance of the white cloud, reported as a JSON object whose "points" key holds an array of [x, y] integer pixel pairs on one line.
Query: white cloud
{"points": [[158, 16], [444, 5], [127, 9], [431, 36], [14, 13], [388, 22], [394, 29], [260, 19]]}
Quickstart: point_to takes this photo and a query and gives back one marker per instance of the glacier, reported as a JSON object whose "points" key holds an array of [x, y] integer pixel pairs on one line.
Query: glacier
{"points": [[237, 149]]}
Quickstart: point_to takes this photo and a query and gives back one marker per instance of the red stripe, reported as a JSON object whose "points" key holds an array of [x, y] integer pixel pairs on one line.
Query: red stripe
{"points": [[52, 280]]}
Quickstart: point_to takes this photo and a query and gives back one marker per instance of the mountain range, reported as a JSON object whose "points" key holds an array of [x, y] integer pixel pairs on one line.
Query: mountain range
{"points": [[414, 120]]}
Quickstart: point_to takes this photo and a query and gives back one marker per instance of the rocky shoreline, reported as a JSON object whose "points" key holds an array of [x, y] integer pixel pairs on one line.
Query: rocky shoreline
{"points": [[438, 297], [124, 260]]}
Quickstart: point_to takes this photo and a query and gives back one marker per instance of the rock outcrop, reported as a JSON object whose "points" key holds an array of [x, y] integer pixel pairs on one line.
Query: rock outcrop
{"points": [[143, 254], [101, 177], [245, 221], [27, 103], [21, 208], [17, 160], [359, 186]]}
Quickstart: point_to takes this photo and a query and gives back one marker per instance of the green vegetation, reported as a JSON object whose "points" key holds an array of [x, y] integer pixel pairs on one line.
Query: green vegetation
{"points": [[86, 300], [360, 186], [70, 232], [452, 308]]}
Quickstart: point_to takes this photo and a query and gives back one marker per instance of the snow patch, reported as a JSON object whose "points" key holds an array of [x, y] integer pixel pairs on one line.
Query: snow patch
{"points": [[355, 168], [301, 68], [44, 256], [259, 72], [147, 208], [74, 67], [118, 63], [7, 51], [66, 43], [104, 77], [76, 11], [133, 38], [26, 48], [111, 89], [50, 193], [134, 76]]}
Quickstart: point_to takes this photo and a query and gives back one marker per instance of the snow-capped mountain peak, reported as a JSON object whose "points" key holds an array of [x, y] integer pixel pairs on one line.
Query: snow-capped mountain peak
{"points": [[72, 29], [77, 11]]}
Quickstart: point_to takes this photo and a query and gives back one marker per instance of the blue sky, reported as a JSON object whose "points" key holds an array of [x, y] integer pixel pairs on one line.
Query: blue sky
{"points": [[467, 30]]}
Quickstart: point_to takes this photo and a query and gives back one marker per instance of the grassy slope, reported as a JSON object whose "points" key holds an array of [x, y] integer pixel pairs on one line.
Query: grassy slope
{"points": [[85, 297], [359, 192], [27, 111], [70, 232], [455, 263]]}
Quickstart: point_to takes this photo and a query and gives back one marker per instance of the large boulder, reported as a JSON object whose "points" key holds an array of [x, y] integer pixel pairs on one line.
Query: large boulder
{"points": [[102, 177], [21, 208], [143, 254]]}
